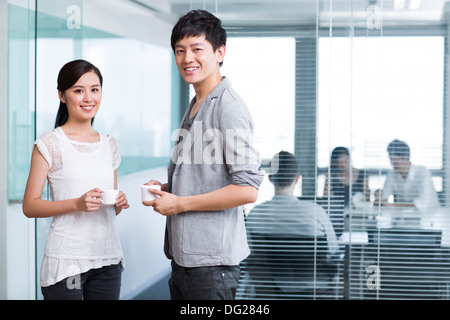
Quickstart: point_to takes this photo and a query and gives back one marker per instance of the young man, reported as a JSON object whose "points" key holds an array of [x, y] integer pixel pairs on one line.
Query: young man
{"points": [[410, 185], [285, 214], [214, 170]]}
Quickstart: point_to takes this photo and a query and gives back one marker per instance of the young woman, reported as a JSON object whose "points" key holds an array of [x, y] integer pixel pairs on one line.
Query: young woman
{"points": [[345, 180], [83, 257]]}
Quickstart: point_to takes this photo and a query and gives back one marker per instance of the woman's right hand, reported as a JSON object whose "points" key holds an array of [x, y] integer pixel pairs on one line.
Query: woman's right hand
{"points": [[90, 201]]}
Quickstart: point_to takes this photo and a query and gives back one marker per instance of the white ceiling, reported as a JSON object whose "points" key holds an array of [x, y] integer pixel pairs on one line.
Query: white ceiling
{"points": [[262, 13]]}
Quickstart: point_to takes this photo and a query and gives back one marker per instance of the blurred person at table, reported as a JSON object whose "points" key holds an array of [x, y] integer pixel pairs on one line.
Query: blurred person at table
{"points": [[345, 180], [286, 214], [410, 185]]}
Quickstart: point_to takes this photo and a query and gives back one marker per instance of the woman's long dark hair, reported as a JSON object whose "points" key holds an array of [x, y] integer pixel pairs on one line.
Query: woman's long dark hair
{"points": [[67, 77], [337, 152]]}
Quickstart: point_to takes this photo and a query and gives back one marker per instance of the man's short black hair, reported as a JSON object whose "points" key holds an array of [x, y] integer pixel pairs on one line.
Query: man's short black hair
{"points": [[288, 169], [397, 148], [196, 23]]}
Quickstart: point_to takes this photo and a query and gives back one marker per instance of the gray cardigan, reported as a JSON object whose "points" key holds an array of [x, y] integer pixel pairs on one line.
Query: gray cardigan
{"points": [[216, 151]]}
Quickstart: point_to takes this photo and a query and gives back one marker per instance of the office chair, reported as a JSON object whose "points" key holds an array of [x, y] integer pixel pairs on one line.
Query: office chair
{"points": [[410, 263], [334, 206], [290, 267]]}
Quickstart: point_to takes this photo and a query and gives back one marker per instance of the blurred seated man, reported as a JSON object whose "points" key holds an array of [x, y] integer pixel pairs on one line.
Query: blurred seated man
{"points": [[410, 185], [287, 215], [293, 244]]}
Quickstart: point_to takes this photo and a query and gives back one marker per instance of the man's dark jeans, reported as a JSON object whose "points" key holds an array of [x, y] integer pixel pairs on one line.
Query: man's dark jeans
{"points": [[204, 283]]}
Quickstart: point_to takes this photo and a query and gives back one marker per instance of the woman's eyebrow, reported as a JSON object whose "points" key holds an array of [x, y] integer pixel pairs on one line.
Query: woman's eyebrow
{"points": [[79, 86]]}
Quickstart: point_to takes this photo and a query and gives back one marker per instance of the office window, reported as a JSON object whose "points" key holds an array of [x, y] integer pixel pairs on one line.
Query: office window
{"points": [[371, 91], [374, 90], [268, 91], [368, 92], [268, 88], [263, 71]]}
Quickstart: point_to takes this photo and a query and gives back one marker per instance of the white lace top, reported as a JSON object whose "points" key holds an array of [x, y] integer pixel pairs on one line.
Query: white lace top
{"points": [[79, 241]]}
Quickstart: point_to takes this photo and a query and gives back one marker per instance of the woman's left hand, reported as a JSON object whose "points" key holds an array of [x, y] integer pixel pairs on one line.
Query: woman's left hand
{"points": [[121, 200]]}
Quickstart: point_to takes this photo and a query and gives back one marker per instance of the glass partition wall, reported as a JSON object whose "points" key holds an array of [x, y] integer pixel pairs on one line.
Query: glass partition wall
{"points": [[316, 75], [136, 102], [346, 76], [137, 90]]}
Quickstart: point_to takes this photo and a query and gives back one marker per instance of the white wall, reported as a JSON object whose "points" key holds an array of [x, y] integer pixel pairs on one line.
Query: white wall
{"points": [[142, 236]]}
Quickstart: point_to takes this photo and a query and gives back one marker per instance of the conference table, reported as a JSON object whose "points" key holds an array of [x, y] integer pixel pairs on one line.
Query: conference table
{"points": [[359, 221], [406, 229]]}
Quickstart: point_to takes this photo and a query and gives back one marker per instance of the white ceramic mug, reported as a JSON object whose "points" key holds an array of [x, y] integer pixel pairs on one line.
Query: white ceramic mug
{"points": [[109, 197], [147, 195]]}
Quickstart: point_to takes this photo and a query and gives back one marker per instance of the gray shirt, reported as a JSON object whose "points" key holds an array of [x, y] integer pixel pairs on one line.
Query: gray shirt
{"points": [[287, 215], [216, 151]]}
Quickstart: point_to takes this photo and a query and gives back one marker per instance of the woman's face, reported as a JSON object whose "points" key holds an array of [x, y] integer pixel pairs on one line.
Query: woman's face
{"points": [[343, 164], [83, 98]]}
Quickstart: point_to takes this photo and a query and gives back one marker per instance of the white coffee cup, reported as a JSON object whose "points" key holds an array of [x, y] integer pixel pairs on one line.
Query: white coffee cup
{"points": [[147, 195], [109, 197]]}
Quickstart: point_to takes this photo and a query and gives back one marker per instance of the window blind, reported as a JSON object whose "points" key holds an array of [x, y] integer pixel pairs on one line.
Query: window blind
{"points": [[381, 99], [356, 77]]}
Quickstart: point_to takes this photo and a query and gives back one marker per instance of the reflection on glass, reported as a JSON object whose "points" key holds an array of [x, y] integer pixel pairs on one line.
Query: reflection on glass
{"points": [[380, 95], [136, 109], [137, 100], [20, 102]]}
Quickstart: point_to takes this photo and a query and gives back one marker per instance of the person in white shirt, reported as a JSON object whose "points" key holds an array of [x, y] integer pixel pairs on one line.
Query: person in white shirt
{"points": [[83, 257], [410, 185]]}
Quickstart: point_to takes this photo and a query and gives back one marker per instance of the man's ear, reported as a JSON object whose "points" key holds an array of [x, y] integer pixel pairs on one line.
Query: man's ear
{"points": [[220, 53]]}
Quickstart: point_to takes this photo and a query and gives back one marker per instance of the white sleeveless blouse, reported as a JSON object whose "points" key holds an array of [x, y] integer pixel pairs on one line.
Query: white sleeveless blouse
{"points": [[79, 241]]}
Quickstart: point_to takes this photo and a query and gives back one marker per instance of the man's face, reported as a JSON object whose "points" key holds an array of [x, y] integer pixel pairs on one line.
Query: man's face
{"points": [[399, 163], [196, 59]]}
